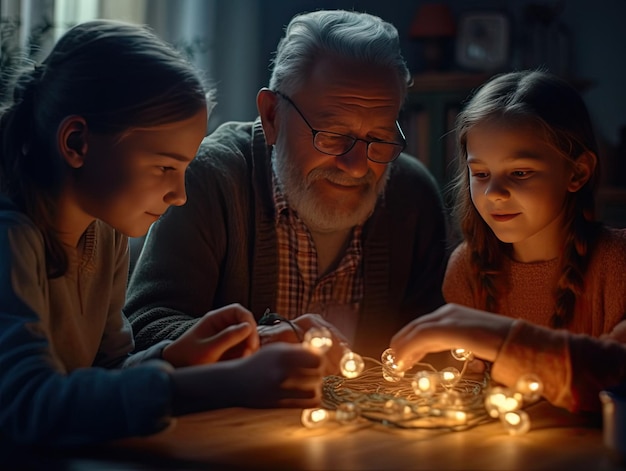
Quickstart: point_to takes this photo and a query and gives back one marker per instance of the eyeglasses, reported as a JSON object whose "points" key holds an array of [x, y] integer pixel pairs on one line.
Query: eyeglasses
{"points": [[332, 143]]}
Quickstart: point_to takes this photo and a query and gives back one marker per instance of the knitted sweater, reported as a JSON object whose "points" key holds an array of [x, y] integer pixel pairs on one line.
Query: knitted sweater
{"points": [[573, 368], [220, 247], [53, 330], [531, 297]]}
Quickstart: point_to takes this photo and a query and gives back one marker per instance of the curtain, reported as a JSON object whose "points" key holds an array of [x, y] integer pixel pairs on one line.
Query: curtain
{"points": [[221, 37], [26, 33]]}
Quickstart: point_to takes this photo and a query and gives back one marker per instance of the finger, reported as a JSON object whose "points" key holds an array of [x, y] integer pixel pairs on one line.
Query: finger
{"points": [[253, 342], [405, 340], [228, 315], [414, 343], [476, 366], [228, 338], [291, 354], [281, 332], [304, 358], [303, 381], [242, 314], [251, 348]]}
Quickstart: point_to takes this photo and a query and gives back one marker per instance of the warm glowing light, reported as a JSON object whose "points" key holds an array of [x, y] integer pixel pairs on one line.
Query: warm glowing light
{"points": [[461, 354], [351, 364], [501, 400], [449, 376], [397, 408], [516, 422], [312, 418], [347, 412], [457, 416], [318, 339], [425, 383], [529, 386], [450, 398], [391, 370]]}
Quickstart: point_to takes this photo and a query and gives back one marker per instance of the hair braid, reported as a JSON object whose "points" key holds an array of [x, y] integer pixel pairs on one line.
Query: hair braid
{"points": [[578, 247]]}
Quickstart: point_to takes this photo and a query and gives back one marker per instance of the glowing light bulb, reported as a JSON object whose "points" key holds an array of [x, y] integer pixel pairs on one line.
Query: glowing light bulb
{"points": [[516, 422], [450, 398], [312, 418], [449, 376], [501, 400], [461, 354], [397, 408], [425, 383], [455, 416], [530, 387], [351, 364], [347, 412], [391, 369], [318, 339]]}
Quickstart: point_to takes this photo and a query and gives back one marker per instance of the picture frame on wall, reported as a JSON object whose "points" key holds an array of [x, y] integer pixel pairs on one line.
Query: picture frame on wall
{"points": [[483, 41]]}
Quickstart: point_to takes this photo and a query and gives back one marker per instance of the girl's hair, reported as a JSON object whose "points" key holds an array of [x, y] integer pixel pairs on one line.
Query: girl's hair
{"points": [[558, 113], [346, 34], [118, 77]]}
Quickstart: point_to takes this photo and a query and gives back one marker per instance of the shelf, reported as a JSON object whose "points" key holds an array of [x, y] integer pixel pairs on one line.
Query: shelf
{"points": [[446, 81]]}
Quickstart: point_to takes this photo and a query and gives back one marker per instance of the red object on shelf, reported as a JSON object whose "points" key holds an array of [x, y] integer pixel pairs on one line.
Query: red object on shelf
{"points": [[433, 20]]}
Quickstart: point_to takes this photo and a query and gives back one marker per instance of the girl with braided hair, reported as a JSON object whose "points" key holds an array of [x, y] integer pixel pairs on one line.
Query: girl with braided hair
{"points": [[532, 249], [552, 277], [94, 147]]}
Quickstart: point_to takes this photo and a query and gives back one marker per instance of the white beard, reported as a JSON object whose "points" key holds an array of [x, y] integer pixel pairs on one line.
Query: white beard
{"points": [[317, 214]]}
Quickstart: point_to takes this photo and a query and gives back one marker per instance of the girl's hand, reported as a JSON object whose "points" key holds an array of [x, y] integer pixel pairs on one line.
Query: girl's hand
{"points": [[451, 326], [225, 333], [279, 375]]}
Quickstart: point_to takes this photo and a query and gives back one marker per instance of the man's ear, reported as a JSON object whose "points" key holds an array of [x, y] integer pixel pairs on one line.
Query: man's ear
{"points": [[266, 104], [584, 168], [72, 140]]}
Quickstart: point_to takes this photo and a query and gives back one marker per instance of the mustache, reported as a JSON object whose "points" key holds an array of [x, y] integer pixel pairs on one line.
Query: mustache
{"points": [[341, 178]]}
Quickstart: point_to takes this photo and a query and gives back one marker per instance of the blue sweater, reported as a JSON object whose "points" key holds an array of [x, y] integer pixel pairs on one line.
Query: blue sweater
{"points": [[61, 340]]}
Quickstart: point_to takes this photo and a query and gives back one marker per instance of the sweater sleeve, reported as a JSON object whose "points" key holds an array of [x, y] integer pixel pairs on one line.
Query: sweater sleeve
{"points": [[532, 349], [40, 401], [574, 368]]}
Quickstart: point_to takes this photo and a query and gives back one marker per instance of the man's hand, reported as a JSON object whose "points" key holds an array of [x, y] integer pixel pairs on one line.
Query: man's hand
{"points": [[294, 330]]}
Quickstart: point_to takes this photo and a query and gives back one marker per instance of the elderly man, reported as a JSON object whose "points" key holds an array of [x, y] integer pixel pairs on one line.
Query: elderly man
{"points": [[312, 211]]}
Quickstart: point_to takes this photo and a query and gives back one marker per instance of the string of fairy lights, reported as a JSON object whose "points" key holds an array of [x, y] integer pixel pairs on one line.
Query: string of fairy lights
{"points": [[421, 397]]}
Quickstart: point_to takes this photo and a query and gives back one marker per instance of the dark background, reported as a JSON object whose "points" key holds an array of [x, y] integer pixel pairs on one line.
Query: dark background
{"points": [[596, 32]]}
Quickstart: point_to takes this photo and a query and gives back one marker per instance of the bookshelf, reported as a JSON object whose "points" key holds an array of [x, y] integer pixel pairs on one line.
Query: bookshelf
{"points": [[427, 118]]}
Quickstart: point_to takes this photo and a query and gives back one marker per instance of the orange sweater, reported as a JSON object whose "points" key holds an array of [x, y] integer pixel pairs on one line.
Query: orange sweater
{"points": [[530, 297], [574, 368], [569, 365]]}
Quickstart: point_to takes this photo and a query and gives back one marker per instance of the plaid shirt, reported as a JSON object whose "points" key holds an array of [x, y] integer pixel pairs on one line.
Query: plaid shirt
{"points": [[337, 295]]}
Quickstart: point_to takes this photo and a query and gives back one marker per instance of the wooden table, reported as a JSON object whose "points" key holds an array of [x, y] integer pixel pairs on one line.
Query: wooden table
{"points": [[275, 439]]}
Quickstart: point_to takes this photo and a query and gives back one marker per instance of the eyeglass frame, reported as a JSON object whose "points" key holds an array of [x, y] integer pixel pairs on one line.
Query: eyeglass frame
{"points": [[315, 132]]}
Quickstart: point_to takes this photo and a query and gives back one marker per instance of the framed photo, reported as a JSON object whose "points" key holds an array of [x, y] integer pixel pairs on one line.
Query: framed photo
{"points": [[483, 41]]}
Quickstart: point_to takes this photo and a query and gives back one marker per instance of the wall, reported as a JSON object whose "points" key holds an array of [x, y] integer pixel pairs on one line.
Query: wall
{"points": [[597, 36]]}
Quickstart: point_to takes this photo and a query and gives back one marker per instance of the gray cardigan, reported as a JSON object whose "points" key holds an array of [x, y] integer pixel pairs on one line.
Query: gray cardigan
{"points": [[220, 247]]}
